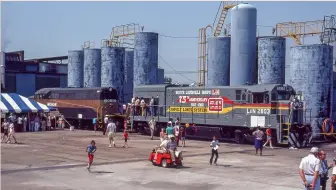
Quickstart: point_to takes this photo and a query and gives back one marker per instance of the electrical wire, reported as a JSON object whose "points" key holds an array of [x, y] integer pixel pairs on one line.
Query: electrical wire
{"points": [[175, 69], [194, 37]]}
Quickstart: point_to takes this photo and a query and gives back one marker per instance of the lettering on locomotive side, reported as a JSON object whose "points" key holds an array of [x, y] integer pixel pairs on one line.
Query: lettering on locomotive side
{"points": [[198, 92], [258, 111], [110, 100], [187, 109]]}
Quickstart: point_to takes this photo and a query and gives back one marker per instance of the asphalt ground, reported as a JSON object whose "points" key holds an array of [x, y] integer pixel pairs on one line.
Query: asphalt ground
{"points": [[57, 160]]}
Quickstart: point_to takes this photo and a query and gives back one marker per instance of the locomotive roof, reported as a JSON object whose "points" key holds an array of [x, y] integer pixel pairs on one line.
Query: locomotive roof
{"points": [[46, 90], [252, 88]]}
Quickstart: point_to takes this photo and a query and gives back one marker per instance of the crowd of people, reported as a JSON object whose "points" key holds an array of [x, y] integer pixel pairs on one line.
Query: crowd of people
{"points": [[314, 170], [143, 107]]}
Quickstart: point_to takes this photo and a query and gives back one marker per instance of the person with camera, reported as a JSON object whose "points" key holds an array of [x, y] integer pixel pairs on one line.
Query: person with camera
{"points": [[333, 178], [309, 170], [324, 169]]}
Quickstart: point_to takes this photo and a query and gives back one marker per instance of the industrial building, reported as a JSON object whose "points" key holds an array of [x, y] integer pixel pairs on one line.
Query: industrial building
{"points": [[25, 77]]}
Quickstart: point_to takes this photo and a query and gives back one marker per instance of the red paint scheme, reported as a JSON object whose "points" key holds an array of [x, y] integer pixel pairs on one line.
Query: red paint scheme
{"points": [[189, 99], [162, 156]]}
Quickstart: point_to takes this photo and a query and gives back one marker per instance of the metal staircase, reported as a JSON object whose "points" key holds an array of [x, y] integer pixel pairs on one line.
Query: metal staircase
{"points": [[285, 128], [227, 5]]}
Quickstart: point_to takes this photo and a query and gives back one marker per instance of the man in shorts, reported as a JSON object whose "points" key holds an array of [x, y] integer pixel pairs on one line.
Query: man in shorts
{"points": [[11, 132], [111, 131]]}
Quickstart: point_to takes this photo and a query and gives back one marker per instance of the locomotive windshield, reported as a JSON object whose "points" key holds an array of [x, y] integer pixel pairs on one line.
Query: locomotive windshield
{"points": [[109, 94], [283, 93]]}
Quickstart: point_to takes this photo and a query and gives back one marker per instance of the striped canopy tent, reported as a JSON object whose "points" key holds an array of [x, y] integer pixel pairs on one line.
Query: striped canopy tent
{"points": [[15, 103]]}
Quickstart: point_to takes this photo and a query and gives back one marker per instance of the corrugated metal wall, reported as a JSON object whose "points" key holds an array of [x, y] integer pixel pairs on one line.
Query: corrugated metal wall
{"points": [[47, 81], [160, 76], [145, 58], [243, 44], [218, 61], [92, 67], [334, 99], [32, 68], [25, 84], [63, 81], [311, 73], [10, 82], [271, 60], [112, 69], [129, 75]]}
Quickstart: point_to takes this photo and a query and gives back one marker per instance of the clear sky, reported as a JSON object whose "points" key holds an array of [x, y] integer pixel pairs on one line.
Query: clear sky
{"points": [[46, 29]]}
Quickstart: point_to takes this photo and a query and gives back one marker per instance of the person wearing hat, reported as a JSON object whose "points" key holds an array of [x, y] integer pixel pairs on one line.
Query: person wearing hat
{"points": [[309, 170]]}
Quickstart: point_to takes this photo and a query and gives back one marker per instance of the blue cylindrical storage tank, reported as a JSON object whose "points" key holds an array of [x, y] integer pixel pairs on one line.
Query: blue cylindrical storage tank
{"points": [[218, 61], [112, 69], [243, 44], [145, 58], [75, 68], [271, 60], [311, 74], [128, 75], [92, 67], [160, 76]]}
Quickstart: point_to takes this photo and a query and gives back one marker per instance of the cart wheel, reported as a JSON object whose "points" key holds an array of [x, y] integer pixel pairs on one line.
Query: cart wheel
{"points": [[154, 163], [164, 163]]}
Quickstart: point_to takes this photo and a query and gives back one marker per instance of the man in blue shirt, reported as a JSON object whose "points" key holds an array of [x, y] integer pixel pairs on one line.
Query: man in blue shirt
{"points": [[324, 169], [94, 122], [172, 148]]}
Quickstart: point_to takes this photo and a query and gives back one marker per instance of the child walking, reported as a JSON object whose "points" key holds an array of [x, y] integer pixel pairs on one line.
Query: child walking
{"points": [[91, 149], [126, 138]]}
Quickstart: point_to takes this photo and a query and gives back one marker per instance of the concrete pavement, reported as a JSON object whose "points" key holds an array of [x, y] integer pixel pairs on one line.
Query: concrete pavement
{"points": [[57, 160]]}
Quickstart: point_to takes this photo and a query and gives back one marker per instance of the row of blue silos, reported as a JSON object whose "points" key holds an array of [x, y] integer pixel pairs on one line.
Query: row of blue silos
{"points": [[117, 67], [232, 61]]}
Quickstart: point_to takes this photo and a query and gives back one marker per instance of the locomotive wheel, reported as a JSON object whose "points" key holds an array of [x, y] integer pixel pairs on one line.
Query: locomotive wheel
{"points": [[239, 137]]}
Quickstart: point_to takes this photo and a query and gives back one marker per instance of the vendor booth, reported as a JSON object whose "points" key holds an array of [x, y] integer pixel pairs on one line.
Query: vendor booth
{"points": [[15, 104]]}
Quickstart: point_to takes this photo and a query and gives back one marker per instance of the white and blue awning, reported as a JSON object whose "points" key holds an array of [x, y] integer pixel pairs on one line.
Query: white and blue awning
{"points": [[15, 103]]}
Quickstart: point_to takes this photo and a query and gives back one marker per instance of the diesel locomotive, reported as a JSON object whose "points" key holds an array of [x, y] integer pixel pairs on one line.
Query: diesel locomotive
{"points": [[80, 105], [230, 112]]}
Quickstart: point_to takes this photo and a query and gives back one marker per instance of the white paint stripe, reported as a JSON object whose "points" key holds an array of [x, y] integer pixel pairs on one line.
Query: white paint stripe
{"points": [[12, 103], [3, 108], [44, 107], [28, 103]]}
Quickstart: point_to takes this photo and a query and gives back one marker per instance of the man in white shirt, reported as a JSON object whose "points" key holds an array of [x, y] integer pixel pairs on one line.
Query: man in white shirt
{"points": [[163, 147], [20, 123], [111, 131], [151, 104], [5, 126], [309, 170], [152, 124], [143, 107], [106, 122], [11, 132]]}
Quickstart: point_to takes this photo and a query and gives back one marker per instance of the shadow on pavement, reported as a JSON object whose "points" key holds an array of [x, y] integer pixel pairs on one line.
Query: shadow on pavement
{"points": [[101, 172]]}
